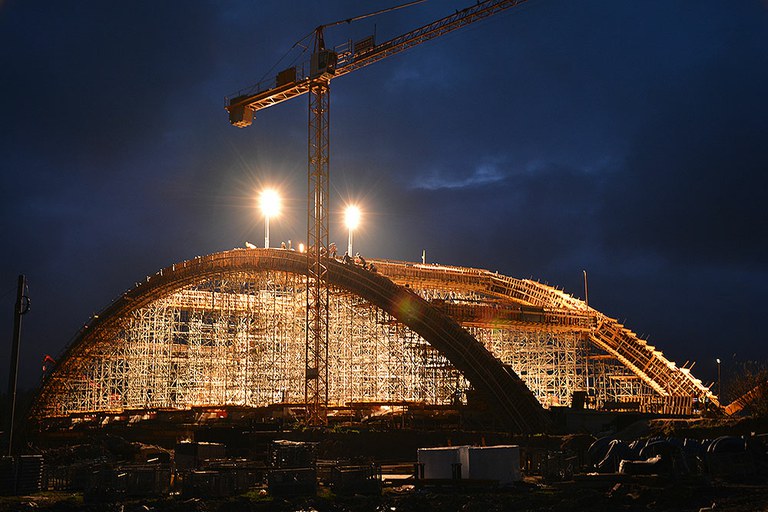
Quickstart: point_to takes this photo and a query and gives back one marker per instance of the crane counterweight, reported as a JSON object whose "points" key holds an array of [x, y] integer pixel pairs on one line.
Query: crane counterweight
{"points": [[240, 115]]}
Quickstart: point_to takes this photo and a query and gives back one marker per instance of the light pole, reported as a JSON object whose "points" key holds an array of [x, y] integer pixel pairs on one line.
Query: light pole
{"points": [[352, 220], [269, 202], [719, 382]]}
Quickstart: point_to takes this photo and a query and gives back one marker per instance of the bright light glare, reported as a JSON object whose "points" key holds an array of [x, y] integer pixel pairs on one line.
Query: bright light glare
{"points": [[352, 217], [269, 202]]}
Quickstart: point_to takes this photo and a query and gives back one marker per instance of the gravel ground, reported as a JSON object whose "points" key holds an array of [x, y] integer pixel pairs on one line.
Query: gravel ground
{"points": [[566, 496]]}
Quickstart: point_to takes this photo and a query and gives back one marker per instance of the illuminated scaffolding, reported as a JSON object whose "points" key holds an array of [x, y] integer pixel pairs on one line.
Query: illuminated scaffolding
{"points": [[239, 341], [235, 336]]}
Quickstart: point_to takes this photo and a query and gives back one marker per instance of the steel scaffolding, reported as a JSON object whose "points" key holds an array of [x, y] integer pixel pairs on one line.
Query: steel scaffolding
{"points": [[240, 341], [236, 337]]}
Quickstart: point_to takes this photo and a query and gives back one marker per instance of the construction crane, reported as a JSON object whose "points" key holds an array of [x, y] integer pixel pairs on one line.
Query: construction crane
{"points": [[314, 79]]}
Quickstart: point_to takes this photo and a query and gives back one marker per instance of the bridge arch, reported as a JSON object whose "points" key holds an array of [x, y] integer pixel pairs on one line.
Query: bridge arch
{"points": [[457, 311]]}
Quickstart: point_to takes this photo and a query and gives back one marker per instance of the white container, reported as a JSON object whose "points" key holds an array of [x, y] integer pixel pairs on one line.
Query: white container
{"points": [[500, 463]]}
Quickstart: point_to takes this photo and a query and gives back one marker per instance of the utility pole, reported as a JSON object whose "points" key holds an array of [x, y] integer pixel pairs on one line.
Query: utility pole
{"points": [[719, 382], [586, 359], [21, 308]]}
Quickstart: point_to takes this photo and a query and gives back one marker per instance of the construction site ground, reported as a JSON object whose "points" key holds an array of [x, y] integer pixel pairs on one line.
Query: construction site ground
{"points": [[583, 490], [529, 496]]}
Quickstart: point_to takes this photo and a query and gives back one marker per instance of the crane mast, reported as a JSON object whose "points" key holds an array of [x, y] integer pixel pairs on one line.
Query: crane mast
{"points": [[314, 79], [316, 374]]}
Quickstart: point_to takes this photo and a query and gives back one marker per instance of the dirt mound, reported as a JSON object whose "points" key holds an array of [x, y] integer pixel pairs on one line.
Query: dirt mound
{"points": [[696, 428]]}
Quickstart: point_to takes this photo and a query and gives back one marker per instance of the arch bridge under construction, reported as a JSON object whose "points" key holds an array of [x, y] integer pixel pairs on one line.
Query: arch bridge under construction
{"points": [[229, 330]]}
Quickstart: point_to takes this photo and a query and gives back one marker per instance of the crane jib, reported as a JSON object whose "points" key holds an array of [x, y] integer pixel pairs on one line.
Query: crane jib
{"points": [[327, 64]]}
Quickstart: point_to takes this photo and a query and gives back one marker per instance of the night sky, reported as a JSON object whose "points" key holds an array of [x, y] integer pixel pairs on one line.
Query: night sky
{"points": [[626, 138]]}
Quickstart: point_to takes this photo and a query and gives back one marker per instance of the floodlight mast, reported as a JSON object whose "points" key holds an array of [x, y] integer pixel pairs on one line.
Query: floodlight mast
{"points": [[325, 65]]}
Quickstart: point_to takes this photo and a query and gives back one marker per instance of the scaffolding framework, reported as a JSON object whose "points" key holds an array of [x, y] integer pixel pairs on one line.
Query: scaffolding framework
{"points": [[237, 337], [239, 341]]}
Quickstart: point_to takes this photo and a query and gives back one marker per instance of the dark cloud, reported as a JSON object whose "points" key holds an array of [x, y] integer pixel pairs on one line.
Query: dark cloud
{"points": [[625, 139], [693, 188]]}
